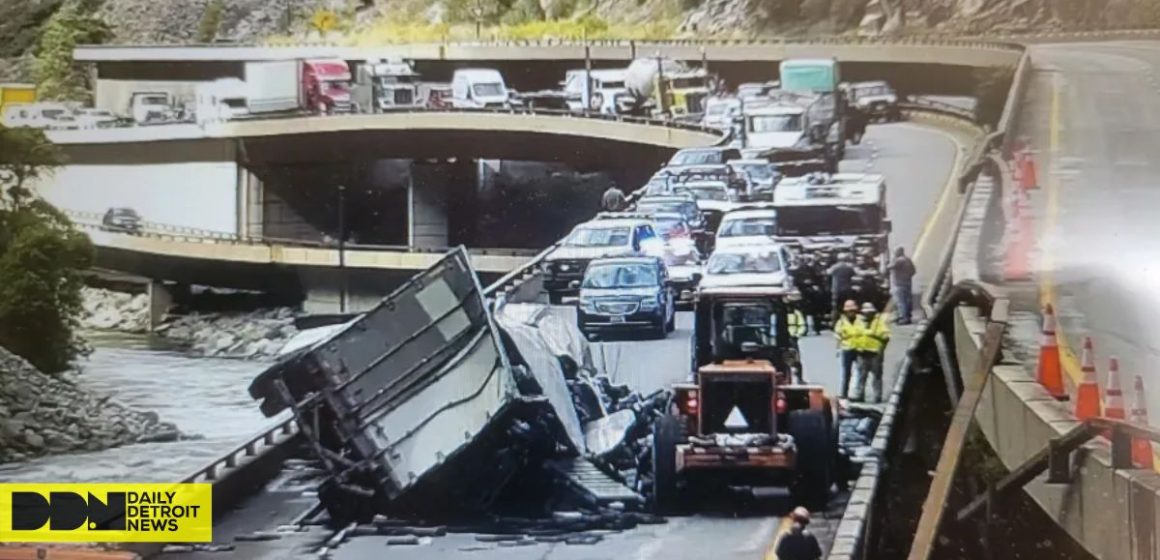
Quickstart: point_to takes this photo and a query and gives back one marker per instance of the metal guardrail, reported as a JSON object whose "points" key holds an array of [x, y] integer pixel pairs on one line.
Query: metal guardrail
{"points": [[270, 438], [917, 103], [634, 44], [1055, 458], [194, 235], [516, 110]]}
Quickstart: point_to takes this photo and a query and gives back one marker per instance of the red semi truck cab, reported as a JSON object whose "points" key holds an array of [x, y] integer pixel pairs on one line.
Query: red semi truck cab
{"points": [[326, 86]]}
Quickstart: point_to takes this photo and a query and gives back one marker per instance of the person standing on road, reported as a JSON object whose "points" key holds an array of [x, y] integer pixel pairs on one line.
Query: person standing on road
{"points": [[613, 199], [848, 329], [841, 281], [799, 543], [902, 273], [796, 325], [874, 336]]}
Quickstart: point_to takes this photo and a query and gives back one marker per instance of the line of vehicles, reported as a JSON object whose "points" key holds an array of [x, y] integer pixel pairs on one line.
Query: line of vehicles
{"points": [[743, 239]]}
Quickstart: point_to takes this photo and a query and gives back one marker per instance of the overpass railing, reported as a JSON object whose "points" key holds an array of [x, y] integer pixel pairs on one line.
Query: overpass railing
{"points": [[1012, 42], [91, 221]]}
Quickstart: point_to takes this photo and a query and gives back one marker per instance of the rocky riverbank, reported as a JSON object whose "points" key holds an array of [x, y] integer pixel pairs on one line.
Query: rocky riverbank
{"points": [[108, 310], [255, 334], [258, 334], [44, 414]]}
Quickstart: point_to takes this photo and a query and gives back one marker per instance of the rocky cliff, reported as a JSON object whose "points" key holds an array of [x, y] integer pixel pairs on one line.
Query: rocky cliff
{"points": [[873, 17], [176, 21]]}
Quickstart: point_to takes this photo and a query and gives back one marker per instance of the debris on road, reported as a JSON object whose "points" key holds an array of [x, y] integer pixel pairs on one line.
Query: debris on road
{"points": [[439, 407]]}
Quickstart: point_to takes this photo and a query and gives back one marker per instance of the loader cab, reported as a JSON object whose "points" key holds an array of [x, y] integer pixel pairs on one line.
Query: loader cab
{"points": [[740, 327]]}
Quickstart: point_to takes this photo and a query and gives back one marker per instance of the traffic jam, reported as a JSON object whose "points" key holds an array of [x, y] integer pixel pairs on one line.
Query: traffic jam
{"points": [[494, 413]]}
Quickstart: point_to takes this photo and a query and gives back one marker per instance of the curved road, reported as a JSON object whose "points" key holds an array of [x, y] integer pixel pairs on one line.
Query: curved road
{"points": [[1093, 113], [917, 162]]}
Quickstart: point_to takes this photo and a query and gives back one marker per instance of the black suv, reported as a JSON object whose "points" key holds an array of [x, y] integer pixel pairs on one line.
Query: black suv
{"points": [[626, 294]]}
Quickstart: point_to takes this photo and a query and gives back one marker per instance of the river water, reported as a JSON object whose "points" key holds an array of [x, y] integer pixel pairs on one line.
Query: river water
{"points": [[202, 396]]}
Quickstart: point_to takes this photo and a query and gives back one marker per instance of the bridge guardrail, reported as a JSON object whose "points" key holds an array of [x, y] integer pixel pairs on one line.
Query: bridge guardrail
{"points": [[517, 110], [1010, 42], [195, 235]]}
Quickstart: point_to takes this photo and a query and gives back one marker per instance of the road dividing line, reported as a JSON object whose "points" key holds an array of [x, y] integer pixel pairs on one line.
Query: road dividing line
{"points": [[782, 528], [1047, 233], [944, 199]]}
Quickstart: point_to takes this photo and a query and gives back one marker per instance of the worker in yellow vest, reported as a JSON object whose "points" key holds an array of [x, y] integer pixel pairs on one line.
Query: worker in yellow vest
{"points": [[796, 325], [872, 341], [848, 330]]}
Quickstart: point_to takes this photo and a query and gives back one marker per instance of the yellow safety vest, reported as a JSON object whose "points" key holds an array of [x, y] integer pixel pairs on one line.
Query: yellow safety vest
{"points": [[849, 332], [796, 323], [875, 335]]}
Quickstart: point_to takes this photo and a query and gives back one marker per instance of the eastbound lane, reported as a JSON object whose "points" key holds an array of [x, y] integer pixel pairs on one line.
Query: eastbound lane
{"points": [[1094, 112], [917, 162]]}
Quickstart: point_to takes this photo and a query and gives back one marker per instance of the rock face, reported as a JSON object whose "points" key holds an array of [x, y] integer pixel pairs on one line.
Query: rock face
{"points": [[259, 334], [108, 310], [152, 21], [44, 414], [873, 17]]}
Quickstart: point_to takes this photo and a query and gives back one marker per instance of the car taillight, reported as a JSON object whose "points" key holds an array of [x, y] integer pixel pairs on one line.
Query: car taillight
{"points": [[781, 406], [688, 402]]}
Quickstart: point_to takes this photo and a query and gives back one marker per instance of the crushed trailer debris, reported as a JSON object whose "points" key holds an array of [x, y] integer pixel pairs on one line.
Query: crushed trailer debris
{"points": [[439, 412]]}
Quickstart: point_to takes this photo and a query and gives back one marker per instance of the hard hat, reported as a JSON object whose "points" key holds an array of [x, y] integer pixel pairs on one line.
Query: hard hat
{"points": [[850, 305], [869, 308], [801, 514]]}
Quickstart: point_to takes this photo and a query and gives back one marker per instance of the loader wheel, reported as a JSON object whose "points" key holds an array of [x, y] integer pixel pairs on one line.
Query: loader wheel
{"points": [[667, 433], [815, 458]]}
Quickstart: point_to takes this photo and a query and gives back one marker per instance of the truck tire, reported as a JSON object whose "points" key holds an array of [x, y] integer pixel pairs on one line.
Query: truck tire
{"points": [[668, 431], [815, 458]]}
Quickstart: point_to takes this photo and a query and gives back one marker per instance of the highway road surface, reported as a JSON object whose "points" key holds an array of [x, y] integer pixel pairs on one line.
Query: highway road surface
{"points": [[1093, 115], [918, 163]]}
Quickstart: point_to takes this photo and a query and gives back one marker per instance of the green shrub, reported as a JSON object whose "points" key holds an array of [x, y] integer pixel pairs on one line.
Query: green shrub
{"points": [[41, 258]]}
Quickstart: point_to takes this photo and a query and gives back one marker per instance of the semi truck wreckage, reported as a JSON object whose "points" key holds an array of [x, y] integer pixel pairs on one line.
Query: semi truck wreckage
{"points": [[441, 405]]}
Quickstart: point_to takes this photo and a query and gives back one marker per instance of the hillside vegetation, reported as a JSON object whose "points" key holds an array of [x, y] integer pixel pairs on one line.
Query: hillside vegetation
{"points": [[391, 21]]}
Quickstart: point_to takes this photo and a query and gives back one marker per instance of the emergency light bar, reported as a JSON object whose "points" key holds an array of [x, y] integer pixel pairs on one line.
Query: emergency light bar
{"points": [[623, 216]]}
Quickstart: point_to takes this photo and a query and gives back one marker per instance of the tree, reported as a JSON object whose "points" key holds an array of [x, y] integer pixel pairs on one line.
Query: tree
{"points": [[41, 258], [211, 20], [57, 75]]}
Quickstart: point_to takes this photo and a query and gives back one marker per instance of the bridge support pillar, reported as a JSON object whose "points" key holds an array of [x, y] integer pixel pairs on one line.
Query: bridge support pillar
{"points": [[162, 297], [431, 185]]}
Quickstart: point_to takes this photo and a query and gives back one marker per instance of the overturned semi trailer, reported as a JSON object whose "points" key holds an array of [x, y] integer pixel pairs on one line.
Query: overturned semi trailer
{"points": [[423, 405]]}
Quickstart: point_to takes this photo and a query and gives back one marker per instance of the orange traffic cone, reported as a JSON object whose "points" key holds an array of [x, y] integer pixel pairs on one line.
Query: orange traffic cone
{"points": [[1048, 372], [1141, 448], [1113, 395], [1087, 395], [1028, 179]]}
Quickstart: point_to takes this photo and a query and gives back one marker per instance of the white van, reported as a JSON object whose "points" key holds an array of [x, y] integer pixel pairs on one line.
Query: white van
{"points": [[220, 100], [477, 88]]}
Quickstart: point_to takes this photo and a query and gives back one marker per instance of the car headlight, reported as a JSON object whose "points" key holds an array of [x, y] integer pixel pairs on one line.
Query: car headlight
{"points": [[651, 302], [588, 306]]}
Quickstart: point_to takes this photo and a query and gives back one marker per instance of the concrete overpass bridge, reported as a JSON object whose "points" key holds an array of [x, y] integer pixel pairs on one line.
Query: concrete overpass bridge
{"points": [[248, 204], [932, 65]]}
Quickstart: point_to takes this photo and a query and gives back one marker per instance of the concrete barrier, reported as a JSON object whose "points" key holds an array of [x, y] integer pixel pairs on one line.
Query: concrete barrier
{"points": [[1111, 513]]}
